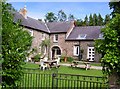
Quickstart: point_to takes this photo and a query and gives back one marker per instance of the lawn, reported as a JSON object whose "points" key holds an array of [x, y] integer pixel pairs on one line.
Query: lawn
{"points": [[66, 70], [34, 77]]}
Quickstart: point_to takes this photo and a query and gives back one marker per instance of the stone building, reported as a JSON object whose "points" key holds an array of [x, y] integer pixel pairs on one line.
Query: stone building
{"points": [[65, 38]]}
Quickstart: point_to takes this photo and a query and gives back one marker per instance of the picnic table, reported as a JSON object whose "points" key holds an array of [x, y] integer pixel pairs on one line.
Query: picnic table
{"points": [[76, 63], [51, 63]]}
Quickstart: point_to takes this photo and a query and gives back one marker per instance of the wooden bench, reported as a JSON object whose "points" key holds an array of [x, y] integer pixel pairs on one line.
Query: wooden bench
{"points": [[76, 63]]}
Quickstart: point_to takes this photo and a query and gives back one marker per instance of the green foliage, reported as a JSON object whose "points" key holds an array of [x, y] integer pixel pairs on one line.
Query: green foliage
{"points": [[115, 6], [45, 42], [15, 43], [71, 17], [45, 45], [62, 16], [90, 20], [62, 58], [37, 58], [86, 21], [79, 22], [95, 20], [70, 59], [109, 47], [107, 19], [50, 17], [100, 20]]}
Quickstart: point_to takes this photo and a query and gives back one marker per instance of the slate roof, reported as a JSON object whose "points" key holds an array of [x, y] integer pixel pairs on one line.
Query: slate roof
{"points": [[59, 27], [92, 32], [30, 22]]}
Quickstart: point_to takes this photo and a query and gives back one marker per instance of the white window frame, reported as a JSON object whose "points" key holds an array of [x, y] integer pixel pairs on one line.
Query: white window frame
{"points": [[31, 32], [101, 36], [91, 53], [54, 39], [82, 36], [75, 53], [43, 36]]}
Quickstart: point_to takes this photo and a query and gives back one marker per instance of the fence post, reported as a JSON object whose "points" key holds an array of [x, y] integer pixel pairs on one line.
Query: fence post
{"points": [[53, 80]]}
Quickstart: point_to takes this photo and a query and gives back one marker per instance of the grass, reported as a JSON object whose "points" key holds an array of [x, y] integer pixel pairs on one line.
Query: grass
{"points": [[39, 78], [31, 65], [67, 70]]}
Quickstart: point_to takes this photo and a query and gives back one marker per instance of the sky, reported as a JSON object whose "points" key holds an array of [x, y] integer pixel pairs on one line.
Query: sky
{"points": [[38, 10]]}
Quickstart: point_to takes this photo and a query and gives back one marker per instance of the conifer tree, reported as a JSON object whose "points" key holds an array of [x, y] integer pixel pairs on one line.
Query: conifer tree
{"points": [[107, 19], [90, 20], [100, 20], [86, 21], [95, 20]]}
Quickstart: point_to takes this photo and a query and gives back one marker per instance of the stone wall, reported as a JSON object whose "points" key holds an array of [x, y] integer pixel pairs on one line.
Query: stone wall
{"points": [[37, 39], [69, 46]]}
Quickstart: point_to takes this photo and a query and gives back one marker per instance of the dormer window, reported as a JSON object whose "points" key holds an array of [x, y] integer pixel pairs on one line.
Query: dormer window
{"points": [[82, 36], [55, 38], [100, 36]]}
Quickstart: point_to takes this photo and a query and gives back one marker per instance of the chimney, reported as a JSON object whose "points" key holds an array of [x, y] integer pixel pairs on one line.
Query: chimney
{"points": [[23, 12], [75, 23]]}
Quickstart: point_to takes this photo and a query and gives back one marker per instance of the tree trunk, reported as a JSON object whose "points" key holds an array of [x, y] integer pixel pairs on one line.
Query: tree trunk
{"points": [[113, 81]]}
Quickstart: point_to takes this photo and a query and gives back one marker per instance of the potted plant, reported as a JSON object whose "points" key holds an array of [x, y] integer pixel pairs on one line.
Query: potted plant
{"points": [[81, 51]]}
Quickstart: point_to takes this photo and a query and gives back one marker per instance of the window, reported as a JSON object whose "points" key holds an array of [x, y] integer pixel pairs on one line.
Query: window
{"points": [[82, 36], [31, 32], [100, 36], [91, 53], [43, 36], [76, 50], [56, 38]]}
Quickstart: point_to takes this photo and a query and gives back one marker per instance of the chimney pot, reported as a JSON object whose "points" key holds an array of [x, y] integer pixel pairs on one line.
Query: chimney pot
{"points": [[23, 11]]}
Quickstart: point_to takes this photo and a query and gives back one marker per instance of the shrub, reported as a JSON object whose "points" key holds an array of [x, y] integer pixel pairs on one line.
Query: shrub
{"points": [[16, 42], [37, 57], [70, 59], [61, 58]]}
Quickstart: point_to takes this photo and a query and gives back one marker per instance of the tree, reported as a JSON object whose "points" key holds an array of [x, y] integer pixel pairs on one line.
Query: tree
{"points": [[100, 20], [40, 20], [115, 6], [45, 45], [90, 20], [107, 19], [15, 43], [71, 17], [110, 47], [79, 22], [10, 7], [95, 20], [50, 17], [62, 16], [86, 21]]}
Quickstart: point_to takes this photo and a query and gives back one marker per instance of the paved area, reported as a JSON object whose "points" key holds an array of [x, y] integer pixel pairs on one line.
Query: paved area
{"points": [[83, 66]]}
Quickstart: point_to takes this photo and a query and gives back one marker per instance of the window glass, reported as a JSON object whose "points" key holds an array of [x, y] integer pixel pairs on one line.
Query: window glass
{"points": [[56, 38], [76, 50], [91, 53]]}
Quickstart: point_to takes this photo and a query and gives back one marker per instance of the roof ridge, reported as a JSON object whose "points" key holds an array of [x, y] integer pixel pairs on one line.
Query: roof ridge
{"points": [[47, 27]]}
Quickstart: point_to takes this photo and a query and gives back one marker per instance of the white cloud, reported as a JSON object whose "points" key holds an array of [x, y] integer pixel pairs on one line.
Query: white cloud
{"points": [[36, 15]]}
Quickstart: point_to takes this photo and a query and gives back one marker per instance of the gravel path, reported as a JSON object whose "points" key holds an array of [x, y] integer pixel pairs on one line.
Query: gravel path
{"points": [[83, 66]]}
